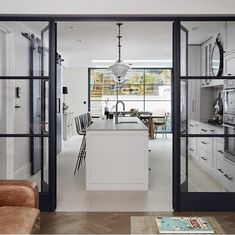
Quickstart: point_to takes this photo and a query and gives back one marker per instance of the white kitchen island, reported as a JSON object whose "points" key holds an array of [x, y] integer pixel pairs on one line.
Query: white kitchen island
{"points": [[117, 155]]}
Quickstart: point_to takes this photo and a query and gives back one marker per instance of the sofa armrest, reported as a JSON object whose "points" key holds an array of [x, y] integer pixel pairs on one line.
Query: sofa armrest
{"points": [[18, 193]]}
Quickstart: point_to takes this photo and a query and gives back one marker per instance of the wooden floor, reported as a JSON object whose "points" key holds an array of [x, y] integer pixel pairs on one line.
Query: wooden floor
{"points": [[112, 222]]}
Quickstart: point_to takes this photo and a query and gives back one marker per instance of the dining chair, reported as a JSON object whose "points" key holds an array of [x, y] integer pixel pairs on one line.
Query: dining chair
{"points": [[82, 150], [161, 124]]}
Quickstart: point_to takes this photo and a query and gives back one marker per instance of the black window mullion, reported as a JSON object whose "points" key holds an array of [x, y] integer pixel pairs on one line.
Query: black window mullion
{"points": [[24, 135], [24, 77], [206, 77]]}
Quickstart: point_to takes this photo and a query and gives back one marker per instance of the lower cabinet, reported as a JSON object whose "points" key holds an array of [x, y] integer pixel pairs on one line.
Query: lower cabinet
{"points": [[208, 153], [229, 176]]}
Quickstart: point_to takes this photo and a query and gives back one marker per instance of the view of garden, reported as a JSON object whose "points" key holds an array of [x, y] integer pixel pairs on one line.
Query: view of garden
{"points": [[143, 90]]}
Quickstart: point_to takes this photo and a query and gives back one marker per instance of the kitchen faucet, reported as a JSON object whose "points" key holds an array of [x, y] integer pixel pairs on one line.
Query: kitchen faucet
{"points": [[116, 113]]}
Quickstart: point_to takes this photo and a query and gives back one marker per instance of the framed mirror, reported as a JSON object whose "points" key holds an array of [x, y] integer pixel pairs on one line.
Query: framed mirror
{"points": [[217, 58]]}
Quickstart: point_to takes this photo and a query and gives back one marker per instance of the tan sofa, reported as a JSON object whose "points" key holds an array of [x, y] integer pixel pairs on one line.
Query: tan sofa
{"points": [[19, 211]]}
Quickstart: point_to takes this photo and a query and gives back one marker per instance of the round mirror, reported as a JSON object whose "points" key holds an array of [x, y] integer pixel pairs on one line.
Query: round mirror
{"points": [[217, 60]]}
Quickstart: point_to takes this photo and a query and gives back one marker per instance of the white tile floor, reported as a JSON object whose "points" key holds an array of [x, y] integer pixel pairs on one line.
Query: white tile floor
{"points": [[72, 195]]}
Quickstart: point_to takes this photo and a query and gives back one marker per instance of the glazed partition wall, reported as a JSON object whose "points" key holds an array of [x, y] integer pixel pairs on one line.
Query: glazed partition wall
{"points": [[145, 89], [204, 95], [27, 105]]}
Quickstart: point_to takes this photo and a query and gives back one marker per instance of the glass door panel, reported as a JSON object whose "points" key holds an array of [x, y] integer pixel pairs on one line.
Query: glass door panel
{"points": [[184, 108], [24, 104]]}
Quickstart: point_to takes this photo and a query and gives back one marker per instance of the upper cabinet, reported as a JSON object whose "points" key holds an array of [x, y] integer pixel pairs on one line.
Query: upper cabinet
{"points": [[229, 55], [212, 60], [229, 37]]}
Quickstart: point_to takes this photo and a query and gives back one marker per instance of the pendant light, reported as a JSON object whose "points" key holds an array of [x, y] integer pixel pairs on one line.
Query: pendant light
{"points": [[119, 69]]}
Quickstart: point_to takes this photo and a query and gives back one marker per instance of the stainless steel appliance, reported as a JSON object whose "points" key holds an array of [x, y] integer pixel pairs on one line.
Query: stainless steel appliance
{"points": [[229, 96], [229, 129]]}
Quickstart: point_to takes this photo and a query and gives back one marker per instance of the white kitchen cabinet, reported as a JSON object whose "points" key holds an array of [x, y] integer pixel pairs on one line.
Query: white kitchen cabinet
{"points": [[229, 63], [219, 161], [230, 36], [67, 125], [207, 151], [229, 175], [194, 67], [193, 141]]}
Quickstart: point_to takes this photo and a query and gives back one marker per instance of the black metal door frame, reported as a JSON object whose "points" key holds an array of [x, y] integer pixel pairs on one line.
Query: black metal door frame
{"points": [[181, 201]]}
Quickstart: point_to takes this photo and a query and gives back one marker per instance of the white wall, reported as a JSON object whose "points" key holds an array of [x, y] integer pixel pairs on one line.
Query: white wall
{"points": [[117, 7], [18, 149], [76, 79]]}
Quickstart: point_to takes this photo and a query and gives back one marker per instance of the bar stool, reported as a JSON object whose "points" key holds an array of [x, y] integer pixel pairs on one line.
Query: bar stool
{"points": [[82, 150]]}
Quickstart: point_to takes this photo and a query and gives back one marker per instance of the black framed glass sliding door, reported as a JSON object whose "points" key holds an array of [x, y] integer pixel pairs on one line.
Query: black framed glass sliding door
{"points": [[26, 77], [204, 169]]}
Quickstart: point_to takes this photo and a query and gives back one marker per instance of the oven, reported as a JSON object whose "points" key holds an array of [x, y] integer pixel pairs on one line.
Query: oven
{"points": [[229, 96], [229, 143]]}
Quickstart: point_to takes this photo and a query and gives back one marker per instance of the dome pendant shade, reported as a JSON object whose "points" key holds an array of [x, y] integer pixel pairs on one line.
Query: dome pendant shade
{"points": [[119, 69]]}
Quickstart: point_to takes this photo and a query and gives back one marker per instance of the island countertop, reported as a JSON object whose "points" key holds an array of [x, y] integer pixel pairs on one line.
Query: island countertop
{"points": [[109, 125]]}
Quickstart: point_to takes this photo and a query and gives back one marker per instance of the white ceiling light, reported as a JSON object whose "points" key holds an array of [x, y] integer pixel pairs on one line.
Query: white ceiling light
{"points": [[119, 69]]}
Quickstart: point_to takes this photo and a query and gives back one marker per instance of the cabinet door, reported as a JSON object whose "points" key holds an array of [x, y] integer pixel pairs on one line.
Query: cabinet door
{"points": [[230, 36], [229, 64], [229, 176]]}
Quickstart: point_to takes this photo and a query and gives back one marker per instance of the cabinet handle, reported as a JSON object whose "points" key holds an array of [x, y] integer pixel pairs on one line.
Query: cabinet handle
{"points": [[220, 151], [191, 149], [220, 170], [203, 130], [191, 125], [212, 131], [203, 158], [203, 142], [226, 176], [193, 105]]}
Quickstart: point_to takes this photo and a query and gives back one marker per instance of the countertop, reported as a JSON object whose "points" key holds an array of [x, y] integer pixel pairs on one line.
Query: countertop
{"points": [[109, 125]]}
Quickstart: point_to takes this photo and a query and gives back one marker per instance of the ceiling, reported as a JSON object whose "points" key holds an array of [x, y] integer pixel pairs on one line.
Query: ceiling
{"points": [[144, 44], [89, 41]]}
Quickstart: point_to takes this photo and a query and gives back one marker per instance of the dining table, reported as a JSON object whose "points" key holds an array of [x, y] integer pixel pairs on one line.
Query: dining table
{"points": [[149, 119]]}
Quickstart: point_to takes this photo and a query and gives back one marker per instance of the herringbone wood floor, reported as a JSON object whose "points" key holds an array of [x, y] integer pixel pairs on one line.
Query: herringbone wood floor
{"points": [[113, 222]]}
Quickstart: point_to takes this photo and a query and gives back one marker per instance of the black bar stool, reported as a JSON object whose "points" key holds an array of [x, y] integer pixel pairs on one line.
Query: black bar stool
{"points": [[82, 151]]}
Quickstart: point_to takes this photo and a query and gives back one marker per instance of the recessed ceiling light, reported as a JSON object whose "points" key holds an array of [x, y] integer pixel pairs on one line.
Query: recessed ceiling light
{"points": [[71, 28]]}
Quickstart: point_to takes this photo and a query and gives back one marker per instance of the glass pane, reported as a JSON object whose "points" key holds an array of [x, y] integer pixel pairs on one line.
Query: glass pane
{"points": [[184, 52], [131, 91], [23, 106], [23, 50], [134, 105], [158, 76], [158, 107], [210, 164], [21, 160], [206, 106], [210, 48]]}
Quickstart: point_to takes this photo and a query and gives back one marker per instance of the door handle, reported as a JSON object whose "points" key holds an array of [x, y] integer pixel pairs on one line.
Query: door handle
{"points": [[228, 177]]}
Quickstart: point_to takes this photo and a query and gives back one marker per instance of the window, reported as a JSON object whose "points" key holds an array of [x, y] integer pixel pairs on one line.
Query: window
{"points": [[144, 90]]}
